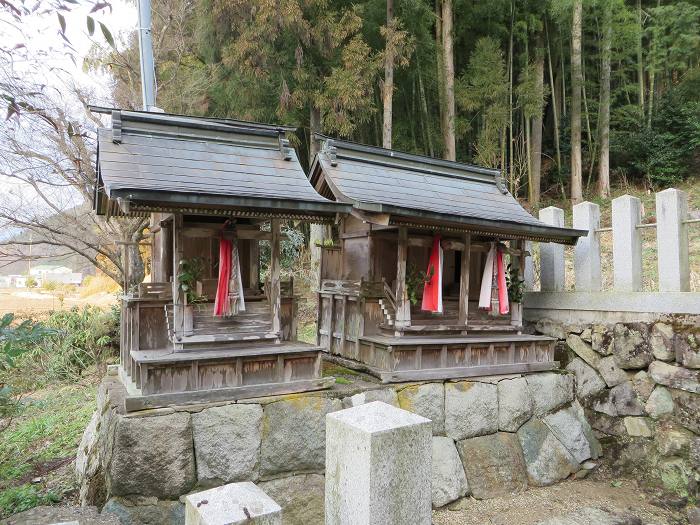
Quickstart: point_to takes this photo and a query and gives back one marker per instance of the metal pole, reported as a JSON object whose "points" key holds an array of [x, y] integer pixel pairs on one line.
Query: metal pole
{"points": [[148, 82]]}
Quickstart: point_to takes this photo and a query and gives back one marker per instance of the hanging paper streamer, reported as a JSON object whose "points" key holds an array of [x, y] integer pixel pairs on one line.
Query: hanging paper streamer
{"points": [[432, 291], [221, 302], [503, 307], [237, 280], [494, 280], [487, 280]]}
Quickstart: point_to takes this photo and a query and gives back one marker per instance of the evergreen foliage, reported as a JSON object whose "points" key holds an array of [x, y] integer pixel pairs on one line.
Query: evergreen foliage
{"points": [[319, 65]]}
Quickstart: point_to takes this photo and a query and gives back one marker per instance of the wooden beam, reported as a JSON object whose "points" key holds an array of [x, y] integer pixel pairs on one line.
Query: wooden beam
{"points": [[275, 293], [464, 281], [134, 403], [403, 305], [208, 231], [430, 374], [381, 219]]}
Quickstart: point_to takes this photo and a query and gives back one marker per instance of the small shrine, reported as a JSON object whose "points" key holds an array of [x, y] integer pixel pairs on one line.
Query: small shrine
{"points": [[424, 277], [211, 325]]}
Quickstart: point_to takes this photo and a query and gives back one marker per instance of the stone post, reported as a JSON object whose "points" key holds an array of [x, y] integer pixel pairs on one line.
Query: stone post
{"points": [[672, 240], [378, 466], [627, 244], [232, 504], [552, 254], [587, 250]]}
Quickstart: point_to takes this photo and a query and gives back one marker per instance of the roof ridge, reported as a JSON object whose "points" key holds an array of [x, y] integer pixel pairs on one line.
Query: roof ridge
{"points": [[403, 155]]}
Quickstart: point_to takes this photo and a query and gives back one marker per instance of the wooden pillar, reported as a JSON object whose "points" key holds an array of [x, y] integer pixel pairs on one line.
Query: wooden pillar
{"points": [[275, 300], [518, 263], [464, 280], [178, 313], [254, 266], [403, 305]]}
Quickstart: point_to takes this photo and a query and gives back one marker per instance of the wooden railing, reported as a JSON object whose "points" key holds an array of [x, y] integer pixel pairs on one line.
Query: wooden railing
{"points": [[389, 295]]}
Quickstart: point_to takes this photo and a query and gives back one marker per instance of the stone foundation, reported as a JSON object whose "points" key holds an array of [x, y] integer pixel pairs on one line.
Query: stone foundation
{"points": [[639, 384], [491, 436]]}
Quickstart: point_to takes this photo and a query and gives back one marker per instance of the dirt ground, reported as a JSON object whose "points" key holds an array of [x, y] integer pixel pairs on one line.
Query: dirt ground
{"points": [[24, 301], [538, 504]]}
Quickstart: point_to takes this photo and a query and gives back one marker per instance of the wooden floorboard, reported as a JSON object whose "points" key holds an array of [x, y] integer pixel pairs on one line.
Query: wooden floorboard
{"points": [[134, 403], [465, 372], [170, 356]]}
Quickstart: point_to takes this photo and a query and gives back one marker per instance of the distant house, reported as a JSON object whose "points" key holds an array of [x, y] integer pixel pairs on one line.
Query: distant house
{"points": [[44, 273], [17, 281], [4, 281]]}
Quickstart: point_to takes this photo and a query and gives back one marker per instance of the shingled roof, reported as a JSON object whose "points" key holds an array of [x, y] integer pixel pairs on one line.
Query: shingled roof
{"points": [[425, 192], [148, 162]]}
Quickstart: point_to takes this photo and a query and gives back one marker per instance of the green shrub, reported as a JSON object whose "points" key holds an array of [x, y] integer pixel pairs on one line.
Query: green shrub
{"points": [[82, 338], [16, 339]]}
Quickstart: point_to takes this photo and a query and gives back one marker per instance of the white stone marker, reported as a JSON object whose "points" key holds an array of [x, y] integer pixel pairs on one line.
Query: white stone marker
{"points": [[378, 466], [552, 254], [587, 250], [672, 240], [627, 244], [232, 504]]}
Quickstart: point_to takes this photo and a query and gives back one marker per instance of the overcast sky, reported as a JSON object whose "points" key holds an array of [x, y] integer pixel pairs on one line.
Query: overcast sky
{"points": [[47, 58], [41, 35]]}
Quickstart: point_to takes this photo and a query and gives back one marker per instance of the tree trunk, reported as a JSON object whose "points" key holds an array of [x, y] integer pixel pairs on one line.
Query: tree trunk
{"points": [[438, 61], [511, 156], [448, 125], [604, 110], [554, 102], [576, 80], [316, 231], [424, 108], [388, 91], [640, 60], [536, 138]]}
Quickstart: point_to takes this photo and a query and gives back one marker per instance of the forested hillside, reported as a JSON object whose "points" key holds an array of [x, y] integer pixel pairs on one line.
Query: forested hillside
{"points": [[565, 95]]}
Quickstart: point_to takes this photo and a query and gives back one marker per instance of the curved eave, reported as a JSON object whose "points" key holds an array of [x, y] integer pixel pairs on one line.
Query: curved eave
{"points": [[139, 201], [428, 219]]}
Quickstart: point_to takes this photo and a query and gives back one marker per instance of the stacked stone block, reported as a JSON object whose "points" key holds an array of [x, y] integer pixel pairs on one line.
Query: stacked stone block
{"points": [[639, 384], [490, 437]]}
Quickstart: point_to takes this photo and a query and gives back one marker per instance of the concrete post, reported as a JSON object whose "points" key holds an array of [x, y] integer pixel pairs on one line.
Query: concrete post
{"points": [[672, 240], [232, 504], [378, 466], [627, 244], [552, 254], [587, 250]]}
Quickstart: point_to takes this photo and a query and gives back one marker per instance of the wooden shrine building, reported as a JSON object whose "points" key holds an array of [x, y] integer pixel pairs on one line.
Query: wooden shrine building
{"points": [[372, 277], [208, 185]]}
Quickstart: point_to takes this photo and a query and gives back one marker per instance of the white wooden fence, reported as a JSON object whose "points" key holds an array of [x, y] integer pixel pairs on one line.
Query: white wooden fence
{"points": [[673, 293]]}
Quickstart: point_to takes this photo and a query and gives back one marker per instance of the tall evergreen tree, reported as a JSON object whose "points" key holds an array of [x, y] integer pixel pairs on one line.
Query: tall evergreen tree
{"points": [[576, 86]]}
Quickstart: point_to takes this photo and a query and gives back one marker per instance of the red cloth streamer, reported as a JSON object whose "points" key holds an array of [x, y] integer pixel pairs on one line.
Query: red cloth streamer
{"points": [[221, 303], [503, 307], [432, 291]]}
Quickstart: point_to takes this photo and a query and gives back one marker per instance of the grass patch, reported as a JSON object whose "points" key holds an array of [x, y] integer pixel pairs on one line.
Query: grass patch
{"points": [[39, 442], [306, 333], [25, 497]]}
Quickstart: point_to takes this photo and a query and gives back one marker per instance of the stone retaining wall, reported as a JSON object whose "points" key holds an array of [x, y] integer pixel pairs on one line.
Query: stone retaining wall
{"points": [[639, 384], [492, 436]]}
